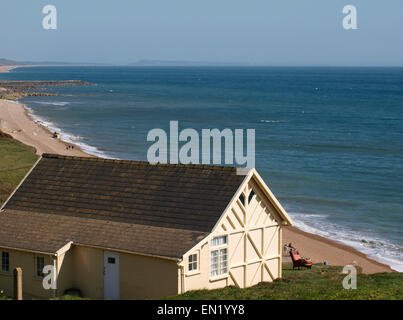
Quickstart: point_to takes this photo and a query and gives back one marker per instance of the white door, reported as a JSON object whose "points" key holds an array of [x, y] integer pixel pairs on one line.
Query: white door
{"points": [[111, 276]]}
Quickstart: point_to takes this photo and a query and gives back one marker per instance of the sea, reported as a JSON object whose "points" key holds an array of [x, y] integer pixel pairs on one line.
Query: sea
{"points": [[328, 141]]}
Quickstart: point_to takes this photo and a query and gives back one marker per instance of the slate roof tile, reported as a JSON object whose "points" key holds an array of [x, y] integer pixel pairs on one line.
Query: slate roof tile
{"points": [[132, 205]]}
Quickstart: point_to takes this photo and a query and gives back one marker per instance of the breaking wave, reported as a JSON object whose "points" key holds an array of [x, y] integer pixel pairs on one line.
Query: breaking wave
{"points": [[381, 250], [68, 137]]}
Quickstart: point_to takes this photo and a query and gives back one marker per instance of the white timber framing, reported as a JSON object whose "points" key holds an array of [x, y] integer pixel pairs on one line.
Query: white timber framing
{"points": [[254, 237]]}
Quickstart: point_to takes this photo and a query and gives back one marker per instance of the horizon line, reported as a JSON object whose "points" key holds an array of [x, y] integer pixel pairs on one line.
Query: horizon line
{"points": [[100, 64]]}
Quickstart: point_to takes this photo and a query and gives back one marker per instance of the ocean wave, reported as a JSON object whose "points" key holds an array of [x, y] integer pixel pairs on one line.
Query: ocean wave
{"points": [[68, 137], [13, 101], [270, 121], [54, 103], [381, 250], [76, 138]]}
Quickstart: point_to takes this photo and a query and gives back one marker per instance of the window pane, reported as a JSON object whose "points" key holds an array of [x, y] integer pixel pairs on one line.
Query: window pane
{"points": [[213, 242], [5, 262], [192, 265], [218, 263], [40, 263], [218, 241], [223, 261], [214, 263]]}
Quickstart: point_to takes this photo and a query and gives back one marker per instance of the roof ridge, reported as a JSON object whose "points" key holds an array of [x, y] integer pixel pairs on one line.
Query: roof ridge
{"points": [[141, 162]]}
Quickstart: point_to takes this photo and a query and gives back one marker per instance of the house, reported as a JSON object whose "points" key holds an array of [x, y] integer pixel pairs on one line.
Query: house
{"points": [[130, 230]]}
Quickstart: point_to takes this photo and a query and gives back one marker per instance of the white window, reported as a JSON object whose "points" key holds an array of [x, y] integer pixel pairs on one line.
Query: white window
{"points": [[218, 241], [218, 262], [192, 266], [218, 257]]}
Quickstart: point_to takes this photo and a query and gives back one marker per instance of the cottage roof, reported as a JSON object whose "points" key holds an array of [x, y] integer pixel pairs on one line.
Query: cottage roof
{"points": [[189, 197], [48, 233], [157, 209]]}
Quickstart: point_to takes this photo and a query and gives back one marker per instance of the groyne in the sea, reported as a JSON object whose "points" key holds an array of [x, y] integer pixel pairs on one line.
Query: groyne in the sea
{"points": [[12, 90]]}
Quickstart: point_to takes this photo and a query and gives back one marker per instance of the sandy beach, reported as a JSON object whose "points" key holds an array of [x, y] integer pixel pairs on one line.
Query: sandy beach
{"points": [[8, 68], [320, 249], [15, 120]]}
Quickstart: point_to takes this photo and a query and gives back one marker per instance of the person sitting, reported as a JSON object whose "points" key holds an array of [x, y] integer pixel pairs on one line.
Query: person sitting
{"points": [[298, 262]]}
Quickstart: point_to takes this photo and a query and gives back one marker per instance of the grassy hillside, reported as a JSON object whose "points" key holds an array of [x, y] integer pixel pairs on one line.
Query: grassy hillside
{"points": [[15, 161], [321, 282]]}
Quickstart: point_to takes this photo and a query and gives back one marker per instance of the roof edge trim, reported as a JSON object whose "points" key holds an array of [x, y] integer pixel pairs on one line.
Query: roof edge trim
{"points": [[127, 251], [29, 250], [64, 249], [272, 198]]}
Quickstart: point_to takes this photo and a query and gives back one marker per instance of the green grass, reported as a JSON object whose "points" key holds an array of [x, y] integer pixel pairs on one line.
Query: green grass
{"points": [[15, 161], [321, 282], [69, 297]]}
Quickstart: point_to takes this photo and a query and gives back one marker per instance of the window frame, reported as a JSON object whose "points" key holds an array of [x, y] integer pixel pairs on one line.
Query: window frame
{"points": [[3, 253], [219, 249], [220, 244], [197, 262], [37, 275]]}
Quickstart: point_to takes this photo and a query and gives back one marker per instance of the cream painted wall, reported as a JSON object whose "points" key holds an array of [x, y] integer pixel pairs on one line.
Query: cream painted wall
{"points": [[147, 277], [81, 267], [87, 271], [140, 277], [253, 231], [65, 272], [32, 285]]}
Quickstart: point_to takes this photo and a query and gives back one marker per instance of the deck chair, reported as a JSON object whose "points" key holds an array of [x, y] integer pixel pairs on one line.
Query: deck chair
{"points": [[298, 262]]}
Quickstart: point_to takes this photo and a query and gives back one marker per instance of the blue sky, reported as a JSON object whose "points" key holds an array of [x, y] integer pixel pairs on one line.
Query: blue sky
{"points": [[262, 32]]}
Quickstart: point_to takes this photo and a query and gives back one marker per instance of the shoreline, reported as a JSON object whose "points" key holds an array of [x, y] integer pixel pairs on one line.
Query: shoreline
{"points": [[16, 121], [8, 68], [335, 253]]}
